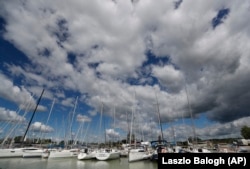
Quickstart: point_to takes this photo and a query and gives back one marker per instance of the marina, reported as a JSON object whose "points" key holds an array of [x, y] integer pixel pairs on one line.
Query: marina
{"points": [[123, 84]]}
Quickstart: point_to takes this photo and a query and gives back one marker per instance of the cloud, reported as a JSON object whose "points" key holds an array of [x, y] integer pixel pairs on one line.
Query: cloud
{"points": [[111, 133], [10, 116], [19, 95], [169, 77], [83, 118], [209, 131], [99, 49], [40, 127]]}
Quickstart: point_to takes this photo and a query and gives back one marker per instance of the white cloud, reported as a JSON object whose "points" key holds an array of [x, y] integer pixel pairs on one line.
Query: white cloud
{"points": [[82, 118], [112, 134], [19, 95], [9, 115], [40, 127], [113, 37], [169, 77]]}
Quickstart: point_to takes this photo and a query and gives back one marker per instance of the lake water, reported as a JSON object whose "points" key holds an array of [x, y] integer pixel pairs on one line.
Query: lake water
{"points": [[73, 163]]}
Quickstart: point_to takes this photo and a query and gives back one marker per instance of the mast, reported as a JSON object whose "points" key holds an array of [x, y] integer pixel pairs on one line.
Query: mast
{"points": [[128, 134], [132, 122], [159, 115], [100, 125], [72, 120], [86, 134], [113, 137], [32, 116], [51, 108], [191, 115]]}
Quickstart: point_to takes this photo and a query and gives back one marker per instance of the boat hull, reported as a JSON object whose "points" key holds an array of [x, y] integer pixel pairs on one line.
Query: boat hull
{"points": [[11, 153], [103, 156], [63, 154], [32, 153]]}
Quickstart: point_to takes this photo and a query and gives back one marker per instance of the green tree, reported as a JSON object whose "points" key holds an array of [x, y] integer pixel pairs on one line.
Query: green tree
{"points": [[245, 132], [18, 139]]}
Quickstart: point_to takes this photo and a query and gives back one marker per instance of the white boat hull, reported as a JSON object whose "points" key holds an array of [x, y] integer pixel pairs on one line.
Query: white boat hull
{"points": [[63, 154], [32, 153], [103, 156], [8, 153]]}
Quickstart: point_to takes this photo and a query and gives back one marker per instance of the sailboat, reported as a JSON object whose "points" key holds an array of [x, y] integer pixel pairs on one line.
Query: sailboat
{"points": [[160, 145], [138, 152], [21, 152], [194, 148], [38, 152], [10, 151], [86, 153], [106, 153], [65, 153]]}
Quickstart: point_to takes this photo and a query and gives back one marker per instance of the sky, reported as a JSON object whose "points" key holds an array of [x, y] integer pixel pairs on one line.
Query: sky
{"points": [[124, 65]]}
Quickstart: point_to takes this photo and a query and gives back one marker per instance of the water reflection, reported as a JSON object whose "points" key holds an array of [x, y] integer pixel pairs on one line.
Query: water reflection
{"points": [[143, 165], [102, 165], [66, 163], [61, 163]]}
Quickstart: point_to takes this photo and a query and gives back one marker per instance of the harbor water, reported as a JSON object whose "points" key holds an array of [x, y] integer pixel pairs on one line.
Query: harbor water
{"points": [[74, 163]]}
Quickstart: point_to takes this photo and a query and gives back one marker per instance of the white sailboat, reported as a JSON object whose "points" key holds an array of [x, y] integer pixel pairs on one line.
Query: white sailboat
{"points": [[68, 152], [109, 153], [38, 152], [138, 154], [19, 152]]}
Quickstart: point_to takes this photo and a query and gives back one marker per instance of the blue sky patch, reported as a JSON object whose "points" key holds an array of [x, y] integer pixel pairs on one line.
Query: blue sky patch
{"points": [[221, 15], [153, 59]]}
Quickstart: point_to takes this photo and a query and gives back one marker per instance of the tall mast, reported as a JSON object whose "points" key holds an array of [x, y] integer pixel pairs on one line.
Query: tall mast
{"points": [[191, 115], [32, 116], [100, 127], [159, 115], [72, 120], [132, 122], [51, 108], [114, 138]]}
